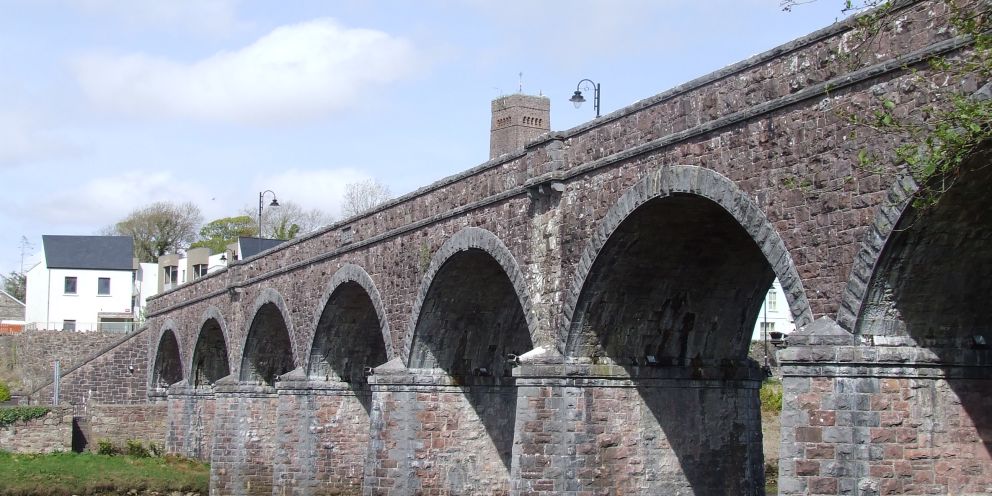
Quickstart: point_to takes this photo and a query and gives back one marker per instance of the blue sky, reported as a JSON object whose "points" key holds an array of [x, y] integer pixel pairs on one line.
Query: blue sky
{"points": [[109, 105]]}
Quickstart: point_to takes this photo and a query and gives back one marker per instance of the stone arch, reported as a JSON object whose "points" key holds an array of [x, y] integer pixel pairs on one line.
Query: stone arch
{"points": [[268, 350], [482, 240], [688, 181], [167, 367], [211, 353], [350, 328], [897, 200], [924, 273]]}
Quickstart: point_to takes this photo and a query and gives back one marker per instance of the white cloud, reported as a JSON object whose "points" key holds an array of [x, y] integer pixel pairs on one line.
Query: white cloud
{"points": [[24, 138], [295, 73], [321, 189], [106, 200], [213, 17]]}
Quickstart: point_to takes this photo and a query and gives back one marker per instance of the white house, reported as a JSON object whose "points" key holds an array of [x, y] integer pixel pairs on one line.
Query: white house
{"points": [[83, 283], [774, 315], [180, 268]]}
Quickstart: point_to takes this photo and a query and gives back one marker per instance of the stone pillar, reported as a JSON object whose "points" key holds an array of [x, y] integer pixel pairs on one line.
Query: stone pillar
{"points": [[605, 429], [244, 438], [323, 436], [190, 421], [436, 434], [873, 420]]}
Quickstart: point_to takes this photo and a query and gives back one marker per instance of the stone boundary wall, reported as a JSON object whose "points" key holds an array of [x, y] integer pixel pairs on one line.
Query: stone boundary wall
{"points": [[47, 434], [116, 375], [26, 359], [121, 423]]}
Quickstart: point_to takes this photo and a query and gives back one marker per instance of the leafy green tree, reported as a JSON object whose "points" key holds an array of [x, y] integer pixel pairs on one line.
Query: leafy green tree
{"points": [[159, 228], [217, 234], [15, 284]]}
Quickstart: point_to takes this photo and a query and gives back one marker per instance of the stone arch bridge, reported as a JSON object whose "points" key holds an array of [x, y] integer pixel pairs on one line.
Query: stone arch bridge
{"points": [[574, 317]]}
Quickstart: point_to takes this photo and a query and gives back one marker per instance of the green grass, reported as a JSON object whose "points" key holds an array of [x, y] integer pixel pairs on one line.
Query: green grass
{"points": [[65, 474]]}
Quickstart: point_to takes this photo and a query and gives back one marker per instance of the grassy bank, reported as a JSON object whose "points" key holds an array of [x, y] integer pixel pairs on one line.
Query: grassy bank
{"points": [[66, 474]]}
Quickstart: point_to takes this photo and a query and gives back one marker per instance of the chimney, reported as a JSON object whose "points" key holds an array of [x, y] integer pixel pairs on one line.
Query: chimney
{"points": [[517, 120]]}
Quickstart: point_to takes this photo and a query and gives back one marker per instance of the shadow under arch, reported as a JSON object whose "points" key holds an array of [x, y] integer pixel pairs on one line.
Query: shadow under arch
{"points": [[669, 289], [268, 349], [929, 287], [168, 366], [471, 313], [210, 354], [351, 333]]}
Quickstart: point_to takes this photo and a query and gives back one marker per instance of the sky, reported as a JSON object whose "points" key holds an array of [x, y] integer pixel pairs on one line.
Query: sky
{"points": [[110, 105]]}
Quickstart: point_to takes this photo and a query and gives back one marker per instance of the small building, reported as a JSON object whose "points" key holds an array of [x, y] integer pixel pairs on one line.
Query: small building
{"points": [[774, 316], [83, 283], [176, 269]]}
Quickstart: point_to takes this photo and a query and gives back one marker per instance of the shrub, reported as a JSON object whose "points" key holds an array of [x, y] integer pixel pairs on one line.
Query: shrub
{"points": [[21, 413], [105, 447], [4, 392], [136, 449], [771, 396], [156, 449]]}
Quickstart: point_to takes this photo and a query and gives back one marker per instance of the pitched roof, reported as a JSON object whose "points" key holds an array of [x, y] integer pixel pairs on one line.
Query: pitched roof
{"points": [[89, 252], [253, 246]]}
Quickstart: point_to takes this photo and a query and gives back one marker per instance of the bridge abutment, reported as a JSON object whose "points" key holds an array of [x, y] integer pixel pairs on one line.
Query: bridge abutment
{"points": [[190, 421], [606, 429], [244, 438], [870, 420], [433, 433], [322, 437]]}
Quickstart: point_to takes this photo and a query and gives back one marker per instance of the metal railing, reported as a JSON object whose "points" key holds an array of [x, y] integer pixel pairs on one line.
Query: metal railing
{"points": [[117, 327]]}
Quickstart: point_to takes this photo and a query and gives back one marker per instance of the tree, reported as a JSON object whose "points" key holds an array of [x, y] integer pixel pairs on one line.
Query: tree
{"points": [[288, 220], [217, 234], [363, 196], [15, 284], [160, 228]]}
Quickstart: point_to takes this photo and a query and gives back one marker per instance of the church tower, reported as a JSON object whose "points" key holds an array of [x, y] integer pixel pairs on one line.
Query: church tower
{"points": [[517, 119]]}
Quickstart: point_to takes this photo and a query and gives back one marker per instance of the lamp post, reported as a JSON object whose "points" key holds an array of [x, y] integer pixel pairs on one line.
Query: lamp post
{"points": [[273, 204], [577, 98]]}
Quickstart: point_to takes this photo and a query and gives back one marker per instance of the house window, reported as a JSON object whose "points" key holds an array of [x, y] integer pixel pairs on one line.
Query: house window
{"points": [[70, 285], [199, 270], [767, 327], [103, 286], [171, 274], [69, 325], [772, 301]]}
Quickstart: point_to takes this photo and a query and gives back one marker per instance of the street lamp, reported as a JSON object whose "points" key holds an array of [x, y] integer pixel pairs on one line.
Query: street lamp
{"points": [[577, 98], [273, 204]]}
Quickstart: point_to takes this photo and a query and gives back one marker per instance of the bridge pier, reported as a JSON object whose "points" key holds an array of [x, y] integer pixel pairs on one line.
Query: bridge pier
{"points": [[869, 420], [605, 429], [190, 422], [322, 438], [244, 438], [437, 434]]}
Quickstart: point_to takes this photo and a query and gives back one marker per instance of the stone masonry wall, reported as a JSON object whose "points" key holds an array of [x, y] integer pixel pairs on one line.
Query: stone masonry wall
{"points": [[117, 376], [47, 434], [27, 358], [121, 423], [882, 420]]}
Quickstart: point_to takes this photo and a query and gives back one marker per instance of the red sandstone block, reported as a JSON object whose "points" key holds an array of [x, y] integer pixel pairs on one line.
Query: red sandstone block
{"points": [[890, 486], [809, 434], [807, 468], [822, 485], [821, 452], [882, 471]]}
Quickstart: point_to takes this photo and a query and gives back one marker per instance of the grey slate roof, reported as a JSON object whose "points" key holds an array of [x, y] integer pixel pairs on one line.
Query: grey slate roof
{"points": [[253, 246], [89, 252]]}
